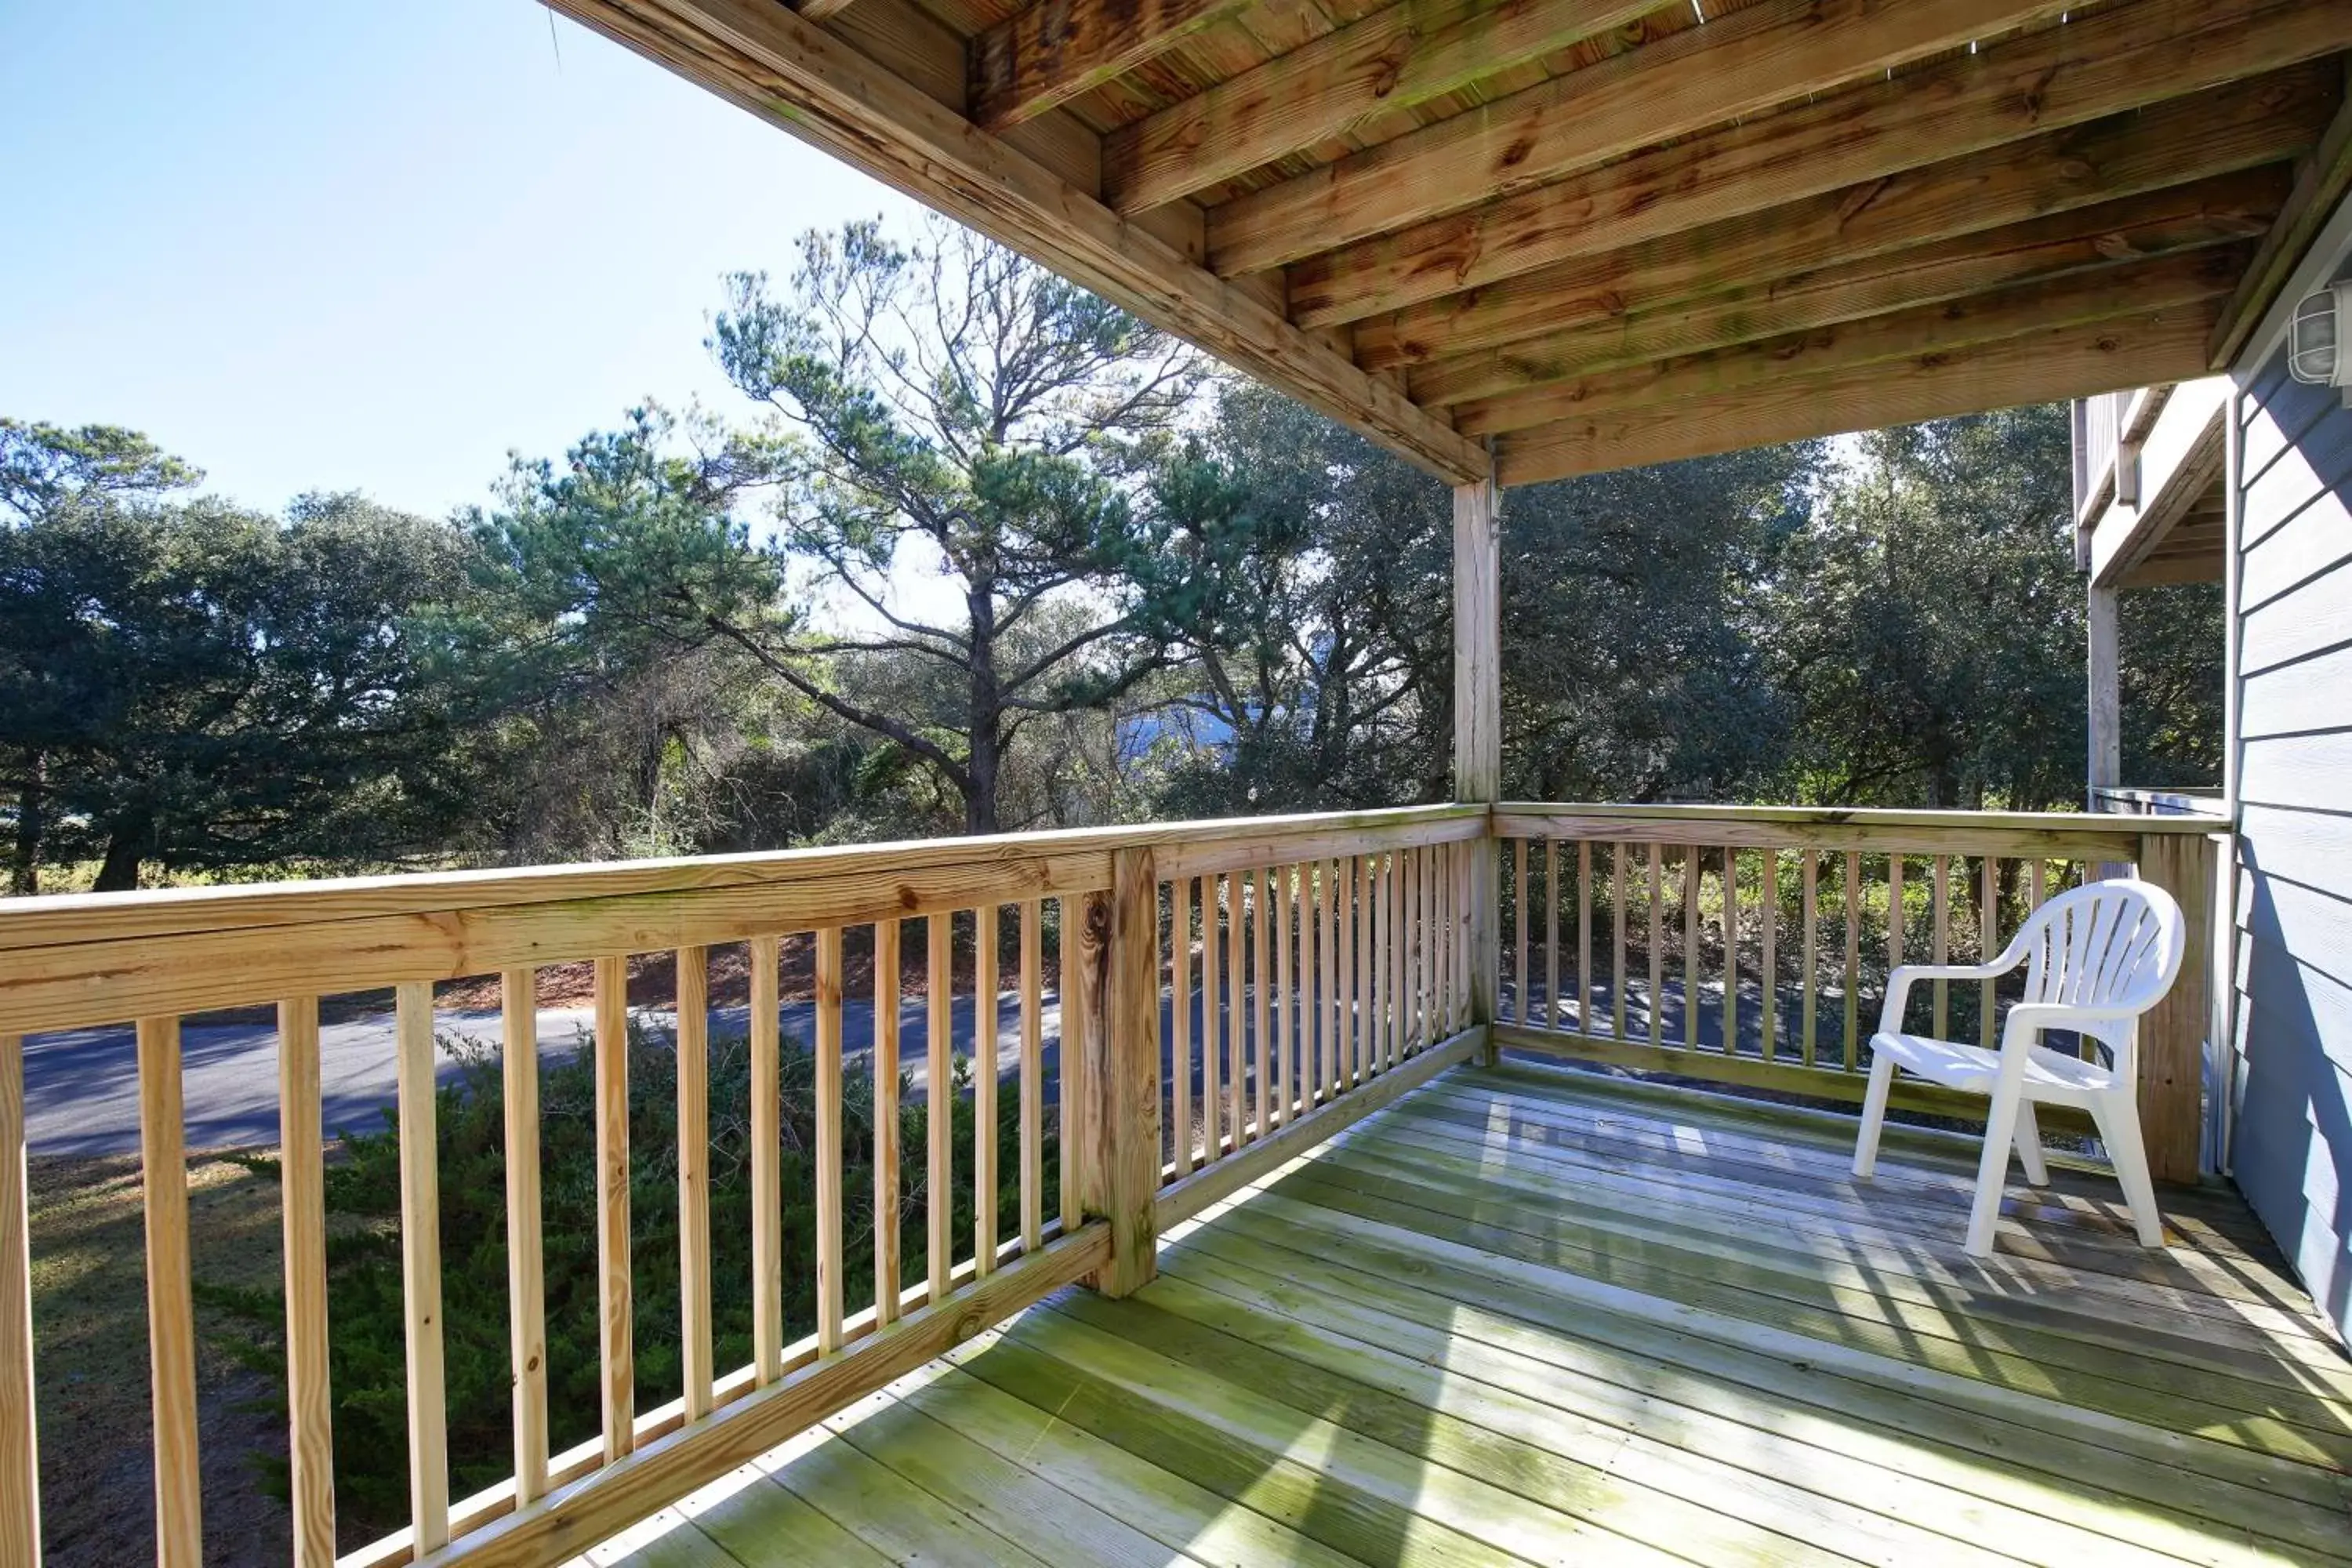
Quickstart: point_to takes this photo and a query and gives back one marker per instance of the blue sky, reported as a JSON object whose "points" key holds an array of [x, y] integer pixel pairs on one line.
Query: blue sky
{"points": [[346, 247]]}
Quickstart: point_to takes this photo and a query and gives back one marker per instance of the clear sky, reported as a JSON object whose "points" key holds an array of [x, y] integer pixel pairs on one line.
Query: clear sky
{"points": [[323, 245]]}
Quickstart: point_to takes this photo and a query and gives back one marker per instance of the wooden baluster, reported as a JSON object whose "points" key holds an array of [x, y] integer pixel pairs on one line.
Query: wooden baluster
{"points": [[1211, 1011], [1771, 991], [1690, 946], [984, 1081], [1311, 892], [1334, 920], [1988, 944], [890, 1159], [526, 1270], [1809, 895], [1032, 1078], [1123, 1048], [1852, 960], [1344, 1047], [1376, 963], [1657, 933], [694, 1174], [939, 1098], [1895, 918], [1433, 915], [1069, 1066], [1519, 914], [1180, 984], [1454, 892], [420, 1260], [20, 1457], [302, 1179], [1943, 939], [1392, 894], [171, 1311], [829, 1287], [1237, 1008], [616, 1297], [767, 1146], [1584, 936], [1551, 934], [1617, 974], [1367, 1052], [1301, 1096], [1262, 994], [1416, 949], [1731, 949]]}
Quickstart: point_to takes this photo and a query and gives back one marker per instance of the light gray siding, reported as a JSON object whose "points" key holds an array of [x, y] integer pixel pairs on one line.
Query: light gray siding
{"points": [[2292, 1149]]}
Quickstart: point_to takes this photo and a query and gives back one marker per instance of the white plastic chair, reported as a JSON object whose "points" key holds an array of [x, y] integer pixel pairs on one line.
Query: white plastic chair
{"points": [[2100, 956]]}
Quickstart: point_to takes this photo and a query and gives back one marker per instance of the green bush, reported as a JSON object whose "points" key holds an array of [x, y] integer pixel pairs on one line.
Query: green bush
{"points": [[366, 1339]]}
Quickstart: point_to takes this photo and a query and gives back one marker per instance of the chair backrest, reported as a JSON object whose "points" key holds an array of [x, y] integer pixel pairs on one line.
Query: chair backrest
{"points": [[2115, 945]]}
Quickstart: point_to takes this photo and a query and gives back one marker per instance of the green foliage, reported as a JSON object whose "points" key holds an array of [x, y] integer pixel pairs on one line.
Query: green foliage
{"points": [[366, 1347]]}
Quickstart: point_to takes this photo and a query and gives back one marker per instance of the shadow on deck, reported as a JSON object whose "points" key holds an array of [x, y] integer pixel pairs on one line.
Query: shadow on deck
{"points": [[1530, 1314]]}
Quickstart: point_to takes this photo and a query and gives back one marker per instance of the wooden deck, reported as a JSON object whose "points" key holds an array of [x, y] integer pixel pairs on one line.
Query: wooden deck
{"points": [[1528, 1315]]}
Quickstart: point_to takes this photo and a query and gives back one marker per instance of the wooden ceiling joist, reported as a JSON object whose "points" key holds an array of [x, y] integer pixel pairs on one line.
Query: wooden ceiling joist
{"points": [[1393, 59], [1534, 238], [2167, 283], [2123, 58], [1042, 57], [1743, 63], [2231, 207], [2069, 361], [804, 80]]}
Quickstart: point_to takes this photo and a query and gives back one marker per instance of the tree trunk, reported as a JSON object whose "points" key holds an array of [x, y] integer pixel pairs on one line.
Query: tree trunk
{"points": [[32, 805], [985, 727], [125, 847]]}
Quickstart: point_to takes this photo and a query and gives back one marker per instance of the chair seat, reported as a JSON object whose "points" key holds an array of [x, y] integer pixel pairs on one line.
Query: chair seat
{"points": [[2049, 1075]]}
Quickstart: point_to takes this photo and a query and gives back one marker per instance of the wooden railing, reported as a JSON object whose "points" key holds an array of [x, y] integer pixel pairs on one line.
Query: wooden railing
{"points": [[1750, 945], [1331, 955]]}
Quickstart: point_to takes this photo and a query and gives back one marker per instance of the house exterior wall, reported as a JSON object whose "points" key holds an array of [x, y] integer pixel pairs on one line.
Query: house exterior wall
{"points": [[2290, 761]]}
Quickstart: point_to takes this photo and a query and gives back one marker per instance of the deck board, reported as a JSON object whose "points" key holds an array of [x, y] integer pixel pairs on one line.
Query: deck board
{"points": [[1533, 1316]]}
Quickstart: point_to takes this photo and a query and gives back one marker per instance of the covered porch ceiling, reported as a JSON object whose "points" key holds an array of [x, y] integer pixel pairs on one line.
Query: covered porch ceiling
{"points": [[1535, 238]]}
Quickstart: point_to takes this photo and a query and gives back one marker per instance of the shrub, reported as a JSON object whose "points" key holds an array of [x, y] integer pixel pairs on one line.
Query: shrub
{"points": [[366, 1342]]}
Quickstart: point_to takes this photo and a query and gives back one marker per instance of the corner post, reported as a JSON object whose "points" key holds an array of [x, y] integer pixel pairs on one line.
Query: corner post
{"points": [[1122, 1046], [1478, 725], [2172, 1032]]}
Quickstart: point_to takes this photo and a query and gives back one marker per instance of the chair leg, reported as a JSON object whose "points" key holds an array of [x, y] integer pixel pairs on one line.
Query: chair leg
{"points": [[1992, 1169], [2029, 1146], [1874, 1115], [2118, 1120]]}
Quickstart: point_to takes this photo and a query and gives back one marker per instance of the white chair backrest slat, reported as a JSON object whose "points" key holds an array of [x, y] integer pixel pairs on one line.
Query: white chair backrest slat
{"points": [[2113, 945]]}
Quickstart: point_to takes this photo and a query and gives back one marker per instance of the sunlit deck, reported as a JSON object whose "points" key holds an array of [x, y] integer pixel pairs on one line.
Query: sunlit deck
{"points": [[1532, 1315]]}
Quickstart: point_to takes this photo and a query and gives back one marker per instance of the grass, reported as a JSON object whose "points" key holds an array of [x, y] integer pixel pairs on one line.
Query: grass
{"points": [[89, 1312]]}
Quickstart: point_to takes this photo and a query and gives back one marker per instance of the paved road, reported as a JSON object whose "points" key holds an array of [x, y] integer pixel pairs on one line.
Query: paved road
{"points": [[81, 1087]]}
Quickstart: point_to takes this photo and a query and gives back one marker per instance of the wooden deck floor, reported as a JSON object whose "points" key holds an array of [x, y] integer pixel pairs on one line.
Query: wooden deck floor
{"points": [[1525, 1315]]}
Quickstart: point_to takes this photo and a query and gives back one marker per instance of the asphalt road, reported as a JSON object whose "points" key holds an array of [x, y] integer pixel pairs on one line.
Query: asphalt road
{"points": [[81, 1087]]}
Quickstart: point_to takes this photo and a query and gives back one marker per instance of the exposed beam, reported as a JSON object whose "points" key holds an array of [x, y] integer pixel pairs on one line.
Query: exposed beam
{"points": [[1404, 55], [1046, 54], [1743, 63], [2123, 58], [2168, 283], [813, 84], [2225, 130], [822, 10], [2235, 207], [2320, 183], [2071, 362]]}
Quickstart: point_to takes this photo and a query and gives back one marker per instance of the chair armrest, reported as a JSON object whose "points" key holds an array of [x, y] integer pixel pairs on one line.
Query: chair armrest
{"points": [[1899, 981]]}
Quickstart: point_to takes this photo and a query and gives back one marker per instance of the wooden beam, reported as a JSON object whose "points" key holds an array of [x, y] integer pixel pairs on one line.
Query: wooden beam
{"points": [[1124, 1128], [2321, 179], [2071, 362], [1044, 56], [2226, 130], [821, 89], [2044, 251], [1921, 334], [1478, 716], [1404, 55], [2123, 58], [822, 10], [1745, 62], [2102, 666]]}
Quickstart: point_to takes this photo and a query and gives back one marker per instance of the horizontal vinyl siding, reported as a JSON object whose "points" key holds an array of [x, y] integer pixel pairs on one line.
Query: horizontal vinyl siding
{"points": [[2292, 1154]]}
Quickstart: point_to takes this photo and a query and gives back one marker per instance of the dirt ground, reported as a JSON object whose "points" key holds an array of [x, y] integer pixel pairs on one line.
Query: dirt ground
{"points": [[89, 1319]]}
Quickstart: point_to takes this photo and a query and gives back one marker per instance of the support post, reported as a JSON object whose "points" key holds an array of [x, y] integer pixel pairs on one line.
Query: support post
{"points": [[1122, 1046], [1478, 725], [2106, 763], [2172, 1032]]}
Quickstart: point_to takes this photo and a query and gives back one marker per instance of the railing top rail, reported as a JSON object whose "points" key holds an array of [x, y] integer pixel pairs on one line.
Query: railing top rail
{"points": [[74, 918], [2063, 822]]}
